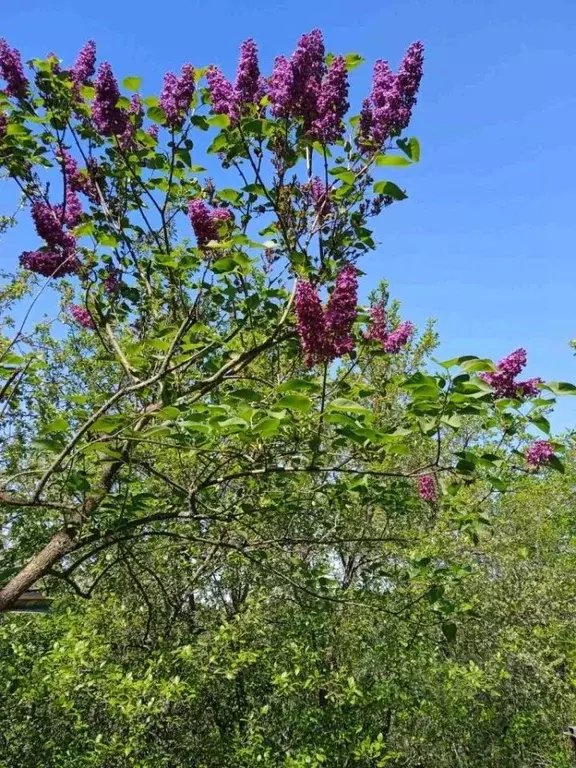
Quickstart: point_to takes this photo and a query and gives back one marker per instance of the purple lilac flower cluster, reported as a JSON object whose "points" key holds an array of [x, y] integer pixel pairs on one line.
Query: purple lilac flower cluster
{"points": [[333, 104], [85, 65], [206, 221], [389, 108], [540, 452], [108, 118], [176, 95], [75, 180], [3, 124], [302, 87], [112, 281], [248, 88], [81, 316], [392, 341], [427, 489], [50, 263], [325, 333], [12, 71], [503, 381], [59, 258], [320, 197]]}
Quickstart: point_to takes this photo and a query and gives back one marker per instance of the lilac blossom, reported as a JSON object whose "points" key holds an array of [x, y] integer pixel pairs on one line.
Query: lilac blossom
{"points": [[85, 65], [341, 311], [109, 119], [392, 341], [205, 221], [280, 87], [153, 131], [427, 489], [320, 197], [247, 86], [72, 213], [3, 124], [399, 338], [333, 104], [378, 330], [48, 224], [308, 69], [50, 263], [503, 381], [81, 316], [112, 281], [389, 109], [222, 94], [12, 71], [311, 323], [540, 452], [176, 95]]}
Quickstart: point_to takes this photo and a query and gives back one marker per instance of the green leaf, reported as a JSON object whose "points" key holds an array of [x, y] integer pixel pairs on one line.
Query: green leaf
{"points": [[222, 266], [107, 424], [477, 364], [561, 388], [345, 175], [398, 160], [542, 423], [220, 121], [353, 60], [230, 195], [390, 189], [295, 402], [410, 147], [157, 115], [449, 630], [347, 406], [556, 464], [299, 385], [132, 83], [267, 427], [58, 425]]}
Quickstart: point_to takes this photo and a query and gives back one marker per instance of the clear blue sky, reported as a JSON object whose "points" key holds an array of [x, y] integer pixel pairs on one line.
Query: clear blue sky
{"points": [[485, 243]]}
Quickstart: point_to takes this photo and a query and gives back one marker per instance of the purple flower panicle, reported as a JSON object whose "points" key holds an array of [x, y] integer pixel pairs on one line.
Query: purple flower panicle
{"points": [[85, 65], [109, 119], [72, 209], [222, 94], [12, 71], [81, 316], [328, 127], [320, 197], [50, 263], [392, 341], [176, 95], [48, 224], [341, 311], [325, 333], [378, 330], [206, 222], [540, 452], [389, 109], [311, 323], [503, 381], [399, 338], [248, 85], [427, 489], [280, 87]]}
